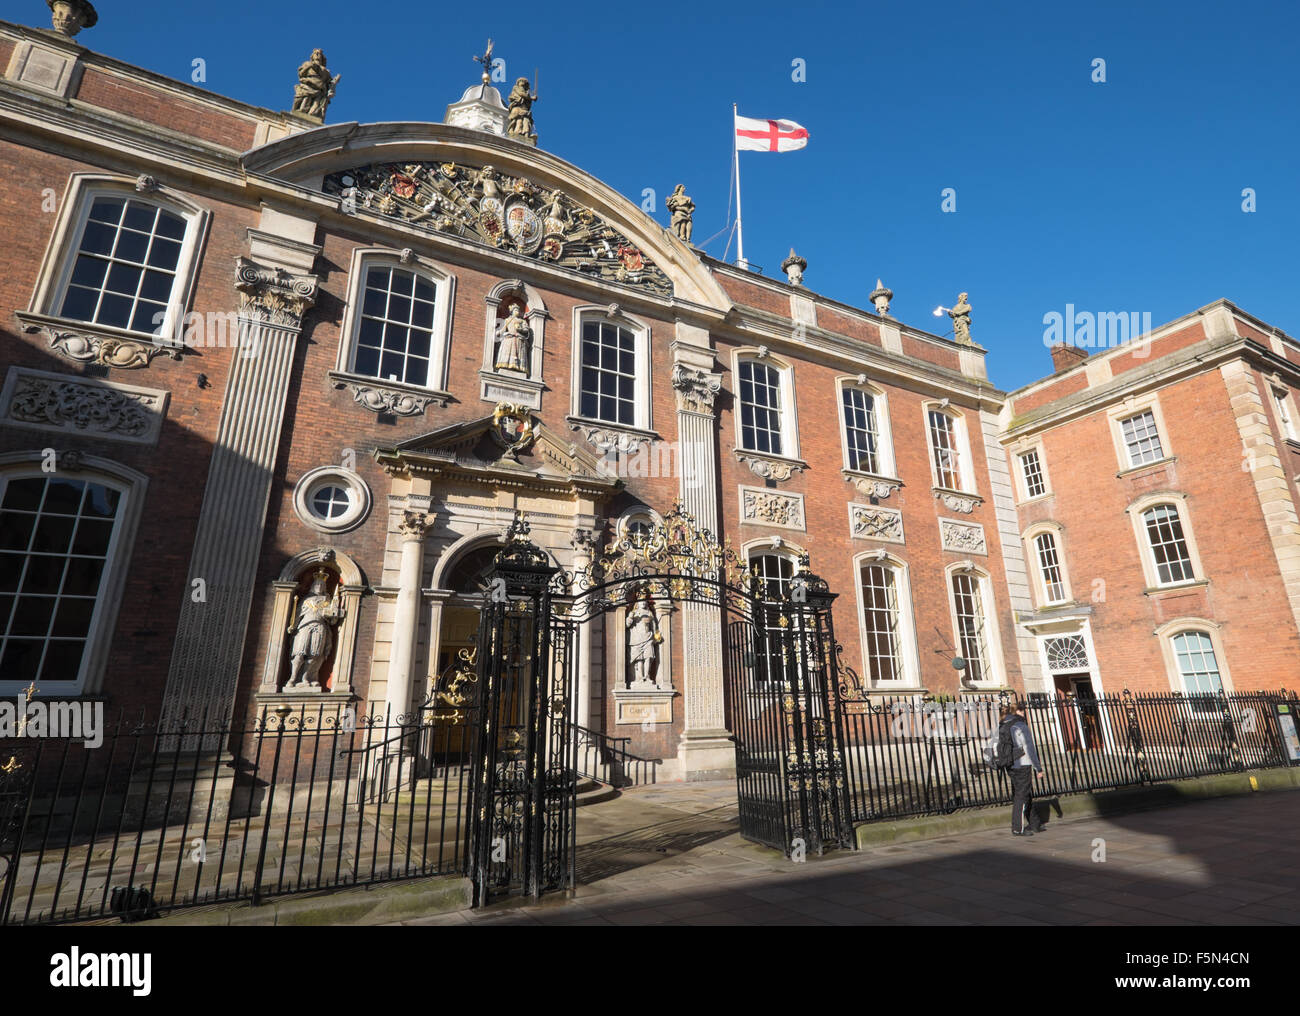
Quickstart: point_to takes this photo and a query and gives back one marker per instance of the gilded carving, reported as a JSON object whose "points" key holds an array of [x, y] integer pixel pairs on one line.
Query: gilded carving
{"points": [[503, 211]]}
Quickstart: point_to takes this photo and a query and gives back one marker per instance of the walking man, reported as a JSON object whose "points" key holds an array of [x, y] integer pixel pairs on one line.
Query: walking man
{"points": [[1012, 749]]}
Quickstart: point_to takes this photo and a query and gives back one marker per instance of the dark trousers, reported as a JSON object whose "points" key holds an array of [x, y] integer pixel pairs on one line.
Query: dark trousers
{"points": [[1022, 803]]}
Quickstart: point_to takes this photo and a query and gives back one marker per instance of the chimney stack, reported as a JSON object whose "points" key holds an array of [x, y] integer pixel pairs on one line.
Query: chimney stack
{"points": [[1065, 356]]}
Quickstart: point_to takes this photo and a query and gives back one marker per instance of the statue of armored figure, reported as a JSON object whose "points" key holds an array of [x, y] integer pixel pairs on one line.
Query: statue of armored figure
{"points": [[683, 211], [521, 111], [514, 342], [313, 634], [643, 639], [315, 88]]}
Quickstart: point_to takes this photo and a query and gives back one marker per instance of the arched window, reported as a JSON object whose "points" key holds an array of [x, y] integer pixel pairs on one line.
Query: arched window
{"points": [[1044, 545], [887, 649], [950, 458], [1198, 669], [62, 561], [974, 620], [864, 416], [397, 322], [611, 369], [1168, 545], [122, 258], [775, 571]]}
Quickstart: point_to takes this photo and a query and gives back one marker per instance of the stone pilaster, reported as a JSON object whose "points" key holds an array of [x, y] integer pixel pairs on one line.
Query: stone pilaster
{"points": [[1002, 496], [706, 748], [213, 621], [401, 662], [583, 543], [1264, 462]]}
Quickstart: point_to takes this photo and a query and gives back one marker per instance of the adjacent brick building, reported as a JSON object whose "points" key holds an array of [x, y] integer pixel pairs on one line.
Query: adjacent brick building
{"points": [[244, 351]]}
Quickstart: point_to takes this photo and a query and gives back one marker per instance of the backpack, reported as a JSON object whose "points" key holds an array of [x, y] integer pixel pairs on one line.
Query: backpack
{"points": [[1005, 752]]}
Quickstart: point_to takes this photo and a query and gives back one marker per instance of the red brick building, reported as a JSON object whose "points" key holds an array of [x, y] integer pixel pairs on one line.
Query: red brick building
{"points": [[244, 351]]}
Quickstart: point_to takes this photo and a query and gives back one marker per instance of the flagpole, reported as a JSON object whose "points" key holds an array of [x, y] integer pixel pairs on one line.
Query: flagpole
{"points": [[740, 231]]}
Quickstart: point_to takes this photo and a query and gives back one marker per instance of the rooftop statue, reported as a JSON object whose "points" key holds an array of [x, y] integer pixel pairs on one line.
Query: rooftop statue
{"points": [[315, 87]]}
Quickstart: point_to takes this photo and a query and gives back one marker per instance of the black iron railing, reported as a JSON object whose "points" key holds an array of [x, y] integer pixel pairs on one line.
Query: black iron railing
{"points": [[291, 803], [910, 756], [606, 759]]}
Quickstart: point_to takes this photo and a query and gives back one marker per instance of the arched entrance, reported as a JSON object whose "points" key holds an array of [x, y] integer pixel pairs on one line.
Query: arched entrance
{"points": [[781, 677]]}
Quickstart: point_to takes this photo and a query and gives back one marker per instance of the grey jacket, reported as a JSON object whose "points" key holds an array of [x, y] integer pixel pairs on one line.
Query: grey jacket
{"points": [[1026, 750]]}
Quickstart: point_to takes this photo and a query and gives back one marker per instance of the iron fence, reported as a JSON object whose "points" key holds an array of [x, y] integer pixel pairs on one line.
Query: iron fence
{"points": [[293, 801], [908, 756]]}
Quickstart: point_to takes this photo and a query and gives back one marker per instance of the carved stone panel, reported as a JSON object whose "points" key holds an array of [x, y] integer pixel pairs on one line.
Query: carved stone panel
{"points": [[963, 537], [38, 399], [871, 522], [770, 508]]}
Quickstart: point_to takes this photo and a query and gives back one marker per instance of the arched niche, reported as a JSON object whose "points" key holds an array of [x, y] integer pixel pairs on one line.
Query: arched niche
{"points": [[345, 579]]}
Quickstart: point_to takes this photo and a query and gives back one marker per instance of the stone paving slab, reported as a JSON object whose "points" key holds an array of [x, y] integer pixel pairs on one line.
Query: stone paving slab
{"points": [[672, 854]]}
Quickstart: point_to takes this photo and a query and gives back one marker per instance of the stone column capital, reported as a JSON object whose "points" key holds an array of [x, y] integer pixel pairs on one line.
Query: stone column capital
{"points": [[273, 296], [696, 389], [413, 525]]}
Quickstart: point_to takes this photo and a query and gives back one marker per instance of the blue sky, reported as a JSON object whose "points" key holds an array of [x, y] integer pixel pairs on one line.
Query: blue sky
{"points": [[1116, 196]]}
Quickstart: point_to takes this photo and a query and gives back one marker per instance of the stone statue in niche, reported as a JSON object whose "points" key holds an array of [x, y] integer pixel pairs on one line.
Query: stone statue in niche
{"points": [[643, 640], [315, 87], [313, 633], [514, 342]]}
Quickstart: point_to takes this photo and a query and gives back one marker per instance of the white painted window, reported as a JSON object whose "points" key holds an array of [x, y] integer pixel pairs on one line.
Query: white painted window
{"points": [[1142, 438], [1168, 544], [861, 429], [1198, 668], [58, 539], [1282, 399], [1031, 471], [950, 459], [395, 333], [881, 622], [761, 408], [971, 624], [608, 383], [1049, 566]]}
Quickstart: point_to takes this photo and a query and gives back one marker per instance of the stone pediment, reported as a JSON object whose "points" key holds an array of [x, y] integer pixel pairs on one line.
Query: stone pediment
{"points": [[510, 446]]}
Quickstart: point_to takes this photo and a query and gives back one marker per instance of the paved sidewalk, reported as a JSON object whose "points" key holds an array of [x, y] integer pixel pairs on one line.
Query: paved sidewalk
{"points": [[672, 855]]}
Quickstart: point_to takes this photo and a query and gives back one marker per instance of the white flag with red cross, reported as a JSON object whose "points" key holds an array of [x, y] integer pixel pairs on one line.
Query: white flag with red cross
{"points": [[769, 135]]}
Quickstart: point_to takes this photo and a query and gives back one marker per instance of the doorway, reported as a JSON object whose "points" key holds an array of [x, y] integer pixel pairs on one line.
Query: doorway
{"points": [[1080, 716]]}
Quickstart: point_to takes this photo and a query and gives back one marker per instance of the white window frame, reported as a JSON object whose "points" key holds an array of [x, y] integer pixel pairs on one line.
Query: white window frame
{"points": [[789, 413], [995, 665], [1150, 570], [64, 246], [1030, 540], [1284, 409], [643, 410], [960, 432], [132, 486], [1018, 453], [359, 499], [444, 283], [1131, 408], [1180, 625], [887, 468], [908, 650]]}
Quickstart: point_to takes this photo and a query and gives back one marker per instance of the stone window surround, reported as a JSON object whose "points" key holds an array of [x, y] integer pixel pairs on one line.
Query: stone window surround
{"points": [[642, 428], [1283, 400], [789, 408], [965, 464], [536, 318], [638, 512], [886, 475], [133, 486], [1165, 634], [1149, 572], [908, 644], [995, 664], [1132, 406], [358, 496], [61, 255], [1016, 450], [775, 545], [1036, 571], [363, 259]]}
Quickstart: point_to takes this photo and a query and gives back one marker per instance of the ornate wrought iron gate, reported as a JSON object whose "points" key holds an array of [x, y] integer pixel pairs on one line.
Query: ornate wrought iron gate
{"points": [[16, 777], [524, 772], [782, 673], [780, 669]]}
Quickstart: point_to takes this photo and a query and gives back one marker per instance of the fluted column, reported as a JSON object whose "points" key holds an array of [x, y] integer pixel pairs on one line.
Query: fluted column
{"points": [[705, 748], [583, 543], [213, 622], [401, 662]]}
